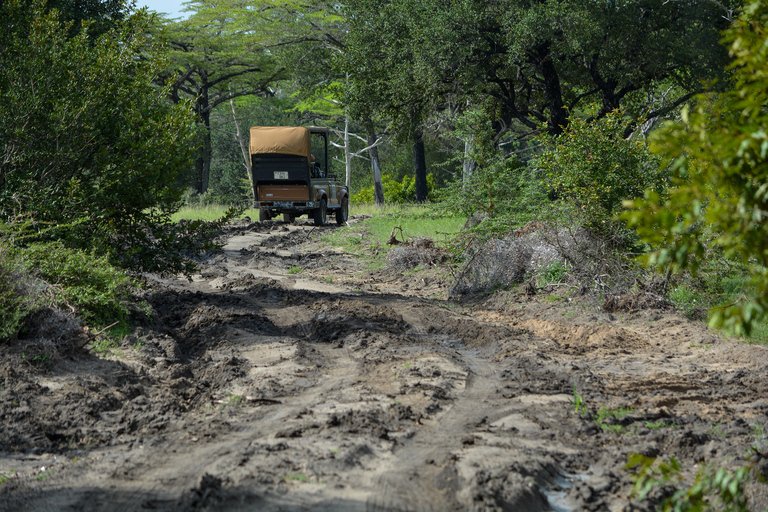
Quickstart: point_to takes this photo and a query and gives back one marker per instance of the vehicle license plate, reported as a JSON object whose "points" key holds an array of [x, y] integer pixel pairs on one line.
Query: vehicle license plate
{"points": [[281, 175]]}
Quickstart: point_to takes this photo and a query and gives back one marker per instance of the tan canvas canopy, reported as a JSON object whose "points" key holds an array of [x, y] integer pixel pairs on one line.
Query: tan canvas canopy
{"points": [[286, 140]]}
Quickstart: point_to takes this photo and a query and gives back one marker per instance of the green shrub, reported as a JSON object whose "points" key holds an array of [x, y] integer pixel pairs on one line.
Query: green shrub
{"points": [[719, 154], [89, 145], [14, 301], [399, 192], [715, 489], [98, 291], [592, 166], [508, 193]]}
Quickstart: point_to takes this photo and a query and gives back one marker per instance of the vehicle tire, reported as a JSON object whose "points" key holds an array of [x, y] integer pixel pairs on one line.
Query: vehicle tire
{"points": [[342, 214], [320, 213], [264, 215], [288, 218]]}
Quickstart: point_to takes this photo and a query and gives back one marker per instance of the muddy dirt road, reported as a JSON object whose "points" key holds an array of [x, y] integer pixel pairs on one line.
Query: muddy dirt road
{"points": [[260, 387]]}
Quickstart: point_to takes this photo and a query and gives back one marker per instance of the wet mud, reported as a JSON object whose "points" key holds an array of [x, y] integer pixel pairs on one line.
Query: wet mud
{"points": [[339, 387]]}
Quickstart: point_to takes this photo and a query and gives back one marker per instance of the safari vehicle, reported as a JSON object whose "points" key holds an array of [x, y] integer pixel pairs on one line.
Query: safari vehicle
{"points": [[291, 175]]}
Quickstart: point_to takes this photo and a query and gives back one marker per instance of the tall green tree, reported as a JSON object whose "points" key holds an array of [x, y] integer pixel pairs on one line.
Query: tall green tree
{"points": [[218, 53], [89, 146], [529, 62], [719, 157], [311, 48]]}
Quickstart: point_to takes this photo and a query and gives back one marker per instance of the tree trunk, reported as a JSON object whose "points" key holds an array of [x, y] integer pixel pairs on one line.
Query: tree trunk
{"points": [[243, 145], [206, 154], [347, 152], [203, 161], [469, 165], [420, 166], [558, 114], [378, 187]]}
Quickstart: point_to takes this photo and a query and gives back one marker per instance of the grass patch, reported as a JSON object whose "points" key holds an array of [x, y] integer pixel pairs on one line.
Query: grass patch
{"points": [[697, 298], [604, 415], [104, 346], [414, 223], [209, 213], [299, 477], [295, 270], [368, 237], [654, 425]]}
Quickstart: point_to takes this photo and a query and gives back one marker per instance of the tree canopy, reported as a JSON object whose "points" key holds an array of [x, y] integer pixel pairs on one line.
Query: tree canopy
{"points": [[527, 62], [89, 146]]}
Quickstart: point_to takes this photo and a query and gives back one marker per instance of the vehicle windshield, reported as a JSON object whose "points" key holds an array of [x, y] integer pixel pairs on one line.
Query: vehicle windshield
{"points": [[319, 151]]}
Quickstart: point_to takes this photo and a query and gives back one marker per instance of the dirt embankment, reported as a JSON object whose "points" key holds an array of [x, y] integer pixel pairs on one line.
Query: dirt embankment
{"points": [[341, 388]]}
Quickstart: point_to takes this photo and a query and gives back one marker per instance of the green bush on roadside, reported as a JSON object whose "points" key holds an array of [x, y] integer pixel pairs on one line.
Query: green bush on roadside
{"points": [[14, 301], [99, 292], [399, 192], [593, 167]]}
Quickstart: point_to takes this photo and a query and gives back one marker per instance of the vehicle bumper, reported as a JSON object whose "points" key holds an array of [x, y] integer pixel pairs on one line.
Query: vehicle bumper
{"points": [[285, 205]]}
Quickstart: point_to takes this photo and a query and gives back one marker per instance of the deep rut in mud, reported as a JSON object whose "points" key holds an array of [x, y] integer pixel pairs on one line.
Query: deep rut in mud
{"points": [[339, 388]]}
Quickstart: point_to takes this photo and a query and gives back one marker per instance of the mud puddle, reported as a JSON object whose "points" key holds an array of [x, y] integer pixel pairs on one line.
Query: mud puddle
{"points": [[259, 387]]}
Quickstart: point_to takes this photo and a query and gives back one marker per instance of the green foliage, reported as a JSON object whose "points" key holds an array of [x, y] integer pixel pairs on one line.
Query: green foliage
{"points": [[88, 144], [399, 192], [579, 407], [498, 185], [719, 157], [526, 60], [715, 490], [594, 168], [17, 298], [6, 476], [554, 272], [98, 291], [604, 414], [15, 303], [216, 54]]}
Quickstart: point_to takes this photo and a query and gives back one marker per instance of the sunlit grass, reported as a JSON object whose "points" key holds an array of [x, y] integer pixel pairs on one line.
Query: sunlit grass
{"points": [[729, 290], [414, 220], [209, 212]]}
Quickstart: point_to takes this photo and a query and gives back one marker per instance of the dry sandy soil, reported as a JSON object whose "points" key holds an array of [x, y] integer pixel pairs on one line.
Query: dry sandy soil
{"points": [[340, 388]]}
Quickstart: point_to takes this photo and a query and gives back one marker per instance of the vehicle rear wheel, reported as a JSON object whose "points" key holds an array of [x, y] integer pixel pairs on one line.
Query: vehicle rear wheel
{"points": [[264, 215], [342, 214], [320, 213], [288, 218]]}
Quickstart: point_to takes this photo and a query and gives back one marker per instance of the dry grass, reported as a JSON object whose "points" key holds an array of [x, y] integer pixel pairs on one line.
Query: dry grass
{"points": [[595, 265]]}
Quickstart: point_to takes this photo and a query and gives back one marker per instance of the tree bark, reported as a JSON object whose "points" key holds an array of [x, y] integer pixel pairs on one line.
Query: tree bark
{"points": [[469, 165], [347, 152], [243, 145], [373, 153], [203, 162], [420, 166], [558, 114]]}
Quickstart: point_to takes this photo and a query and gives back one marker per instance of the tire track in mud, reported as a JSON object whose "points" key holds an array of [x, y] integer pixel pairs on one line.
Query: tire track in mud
{"points": [[255, 393], [421, 478]]}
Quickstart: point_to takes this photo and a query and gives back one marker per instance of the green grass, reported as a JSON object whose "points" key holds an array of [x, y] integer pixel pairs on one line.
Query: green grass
{"points": [[209, 212], [298, 477], [368, 237], [295, 270], [697, 298], [4, 477], [413, 225], [653, 425]]}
